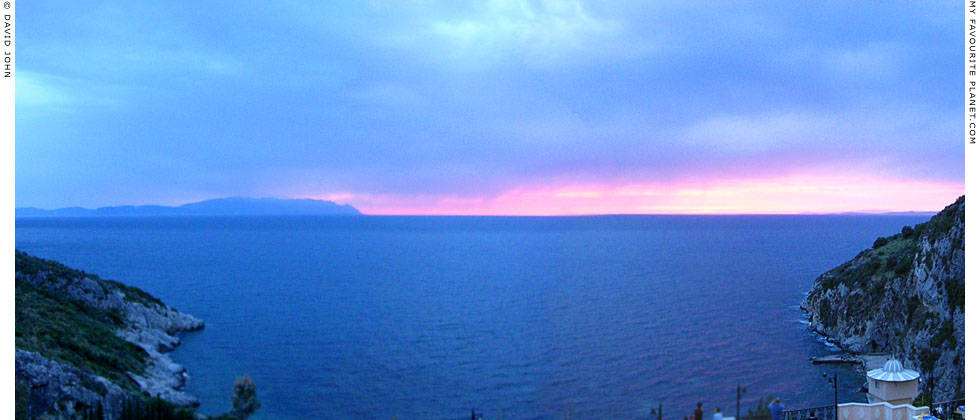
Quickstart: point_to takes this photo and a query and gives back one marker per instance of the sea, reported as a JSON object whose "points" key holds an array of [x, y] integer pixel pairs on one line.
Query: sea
{"points": [[431, 317]]}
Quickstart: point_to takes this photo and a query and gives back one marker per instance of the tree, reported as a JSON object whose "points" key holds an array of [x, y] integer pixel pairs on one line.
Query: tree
{"points": [[244, 401], [762, 410], [880, 242]]}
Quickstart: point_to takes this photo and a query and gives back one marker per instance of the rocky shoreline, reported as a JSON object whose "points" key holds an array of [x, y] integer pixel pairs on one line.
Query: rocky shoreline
{"points": [[903, 297], [59, 387], [156, 330]]}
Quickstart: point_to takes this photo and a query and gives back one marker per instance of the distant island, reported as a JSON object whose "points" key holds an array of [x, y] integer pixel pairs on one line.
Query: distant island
{"points": [[872, 213], [231, 206]]}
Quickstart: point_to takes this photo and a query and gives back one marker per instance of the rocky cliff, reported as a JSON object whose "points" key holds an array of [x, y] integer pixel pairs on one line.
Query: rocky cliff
{"points": [[84, 342], [903, 296]]}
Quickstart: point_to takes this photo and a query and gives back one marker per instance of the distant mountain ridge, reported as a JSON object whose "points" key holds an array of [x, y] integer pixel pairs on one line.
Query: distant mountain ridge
{"points": [[872, 213], [231, 206], [888, 213]]}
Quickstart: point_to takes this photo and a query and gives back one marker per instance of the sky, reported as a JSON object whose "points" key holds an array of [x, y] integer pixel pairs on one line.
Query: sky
{"points": [[493, 107]]}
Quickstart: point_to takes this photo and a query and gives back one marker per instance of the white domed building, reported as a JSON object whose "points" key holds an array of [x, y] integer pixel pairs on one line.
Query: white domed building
{"points": [[891, 390], [893, 383]]}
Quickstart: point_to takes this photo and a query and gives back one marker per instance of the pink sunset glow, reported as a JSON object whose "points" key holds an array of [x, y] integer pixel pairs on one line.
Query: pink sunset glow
{"points": [[785, 195]]}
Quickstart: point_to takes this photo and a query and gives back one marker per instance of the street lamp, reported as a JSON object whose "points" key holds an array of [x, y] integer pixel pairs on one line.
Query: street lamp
{"points": [[739, 393], [658, 412], [833, 381]]}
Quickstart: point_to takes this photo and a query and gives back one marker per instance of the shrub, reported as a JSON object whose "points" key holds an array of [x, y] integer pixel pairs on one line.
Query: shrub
{"points": [[871, 267], [922, 400], [944, 334], [244, 402], [140, 408], [762, 409], [957, 243], [827, 314], [955, 294], [891, 262], [904, 265], [907, 232], [880, 242], [928, 358]]}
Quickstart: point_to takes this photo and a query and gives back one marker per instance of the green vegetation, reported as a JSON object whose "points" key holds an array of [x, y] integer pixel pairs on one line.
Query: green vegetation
{"points": [[904, 265], [26, 264], [71, 331], [894, 256], [897, 245], [142, 408], [244, 401], [761, 410], [907, 232], [826, 313], [928, 358], [51, 270], [941, 223], [74, 332], [22, 392], [881, 279], [945, 334], [958, 243], [956, 294], [922, 400]]}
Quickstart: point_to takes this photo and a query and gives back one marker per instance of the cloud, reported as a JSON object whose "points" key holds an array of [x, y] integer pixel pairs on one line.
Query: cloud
{"points": [[37, 90], [38, 94], [181, 62], [471, 100], [880, 137], [388, 95], [808, 193], [754, 133], [875, 59], [540, 32]]}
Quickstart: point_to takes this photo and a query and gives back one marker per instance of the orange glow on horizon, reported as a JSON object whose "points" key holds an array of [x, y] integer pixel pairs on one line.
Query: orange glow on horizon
{"points": [[784, 195]]}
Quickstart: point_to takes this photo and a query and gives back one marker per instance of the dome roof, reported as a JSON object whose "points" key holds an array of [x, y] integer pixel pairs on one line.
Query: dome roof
{"points": [[893, 372]]}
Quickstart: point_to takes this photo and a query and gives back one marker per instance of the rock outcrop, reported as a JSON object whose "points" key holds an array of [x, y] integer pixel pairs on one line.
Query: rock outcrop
{"points": [[59, 389], [130, 313], [904, 296]]}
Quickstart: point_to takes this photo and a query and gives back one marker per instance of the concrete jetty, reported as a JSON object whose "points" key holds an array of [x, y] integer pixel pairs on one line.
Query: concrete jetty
{"points": [[867, 361]]}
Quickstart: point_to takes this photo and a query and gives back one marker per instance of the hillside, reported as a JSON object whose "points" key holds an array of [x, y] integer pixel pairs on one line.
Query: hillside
{"points": [[84, 342], [904, 296]]}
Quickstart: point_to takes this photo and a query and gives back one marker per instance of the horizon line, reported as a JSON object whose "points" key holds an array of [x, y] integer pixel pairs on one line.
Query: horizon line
{"points": [[843, 213], [435, 212]]}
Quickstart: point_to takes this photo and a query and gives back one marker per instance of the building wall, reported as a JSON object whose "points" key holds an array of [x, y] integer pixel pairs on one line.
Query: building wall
{"points": [[895, 392], [903, 390], [879, 411]]}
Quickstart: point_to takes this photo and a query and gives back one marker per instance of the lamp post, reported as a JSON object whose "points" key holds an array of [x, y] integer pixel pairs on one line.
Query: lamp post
{"points": [[931, 396], [658, 412], [833, 381], [739, 392]]}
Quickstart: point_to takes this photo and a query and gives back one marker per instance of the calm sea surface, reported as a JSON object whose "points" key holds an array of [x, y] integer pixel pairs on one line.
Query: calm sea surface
{"points": [[533, 318]]}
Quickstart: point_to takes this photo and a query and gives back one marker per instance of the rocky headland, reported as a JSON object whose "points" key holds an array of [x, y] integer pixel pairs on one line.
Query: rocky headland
{"points": [[904, 296], [85, 342]]}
